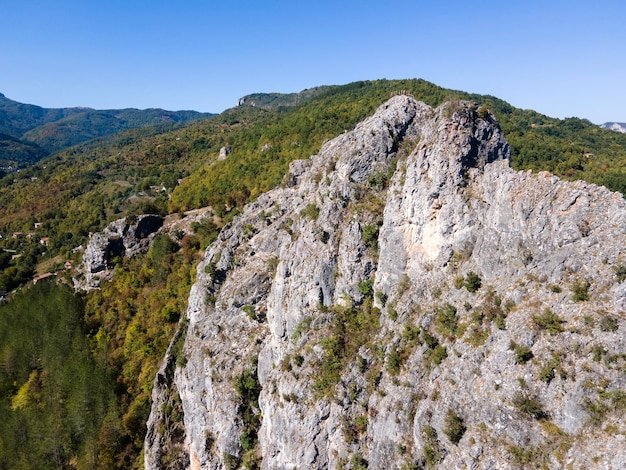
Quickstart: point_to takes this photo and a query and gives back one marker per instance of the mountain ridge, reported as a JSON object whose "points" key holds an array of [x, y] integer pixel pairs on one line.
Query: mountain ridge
{"points": [[54, 129]]}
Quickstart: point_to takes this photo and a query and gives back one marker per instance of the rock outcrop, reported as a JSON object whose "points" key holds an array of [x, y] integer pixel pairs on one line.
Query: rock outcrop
{"points": [[405, 299], [124, 237], [615, 126]]}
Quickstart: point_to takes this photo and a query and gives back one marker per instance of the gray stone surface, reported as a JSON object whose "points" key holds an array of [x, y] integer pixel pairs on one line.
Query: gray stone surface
{"points": [[452, 205], [124, 237]]}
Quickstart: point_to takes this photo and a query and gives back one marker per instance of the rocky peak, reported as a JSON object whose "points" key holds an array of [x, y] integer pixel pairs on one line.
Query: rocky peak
{"points": [[405, 299]]}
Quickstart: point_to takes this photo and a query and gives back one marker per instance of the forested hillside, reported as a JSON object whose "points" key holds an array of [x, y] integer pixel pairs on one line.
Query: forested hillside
{"points": [[29, 133], [122, 330]]}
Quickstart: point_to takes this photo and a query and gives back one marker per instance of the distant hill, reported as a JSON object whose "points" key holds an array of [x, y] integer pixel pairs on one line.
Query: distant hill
{"points": [[14, 151], [270, 101], [615, 126], [35, 132], [18, 118]]}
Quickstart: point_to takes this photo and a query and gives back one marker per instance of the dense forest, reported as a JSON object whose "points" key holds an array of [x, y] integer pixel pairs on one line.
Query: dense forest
{"points": [[76, 369]]}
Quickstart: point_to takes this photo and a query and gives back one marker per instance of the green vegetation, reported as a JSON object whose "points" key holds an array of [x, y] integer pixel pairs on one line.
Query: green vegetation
{"points": [[609, 323], [56, 396], [549, 321], [551, 368], [50, 130], [580, 291], [79, 190], [555, 288], [454, 427], [554, 446], [447, 320], [248, 388], [302, 327], [131, 321], [523, 354], [491, 311], [370, 236], [433, 452], [620, 272], [18, 153], [311, 211], [350, 329], [607, 403], [528, 405], [472, 282], [394, 361]]}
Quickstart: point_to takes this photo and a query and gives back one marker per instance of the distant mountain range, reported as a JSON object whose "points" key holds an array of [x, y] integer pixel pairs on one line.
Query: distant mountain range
{"points": [[615, 126], [29, 133]]}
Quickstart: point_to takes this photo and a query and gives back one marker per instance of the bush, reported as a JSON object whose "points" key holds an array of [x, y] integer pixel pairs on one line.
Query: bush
{"points": [[370, 236], [549, 321], [311, 211], [231, 462], [394, 362], [377, 180], [361, 423], [438, 354], [366, 287], [580, 291], [206, 231], [250, 311], [551, 368], [483, 111], [620, 272], [473, 282], [609, 324], [528, 405], [447, 319], [454, 427], [522, 353], [248, 388], [432, 449], [350, 329]]}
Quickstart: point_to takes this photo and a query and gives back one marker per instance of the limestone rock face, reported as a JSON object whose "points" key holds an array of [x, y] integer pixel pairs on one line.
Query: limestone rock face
{"points": [[224, 152], [124, 237], [405, 299], [615, 126]]}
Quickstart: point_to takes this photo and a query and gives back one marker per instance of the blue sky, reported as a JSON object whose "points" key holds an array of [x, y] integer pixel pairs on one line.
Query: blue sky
{"points": [[560, 58]]}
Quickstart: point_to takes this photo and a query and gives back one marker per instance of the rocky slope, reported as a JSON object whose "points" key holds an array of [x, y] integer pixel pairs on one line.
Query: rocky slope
{"points": [[615, 126], [405, 299]]}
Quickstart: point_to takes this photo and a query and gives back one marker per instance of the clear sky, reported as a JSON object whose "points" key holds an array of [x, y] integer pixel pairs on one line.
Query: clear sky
{"points": [[561, 58]]}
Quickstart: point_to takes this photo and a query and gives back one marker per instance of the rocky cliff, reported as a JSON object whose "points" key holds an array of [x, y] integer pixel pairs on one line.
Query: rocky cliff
{"points": [[405, 299]]}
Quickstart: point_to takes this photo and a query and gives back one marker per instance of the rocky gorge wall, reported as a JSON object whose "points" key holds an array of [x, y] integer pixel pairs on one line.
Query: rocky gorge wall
{"points": [[405, 299]]}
